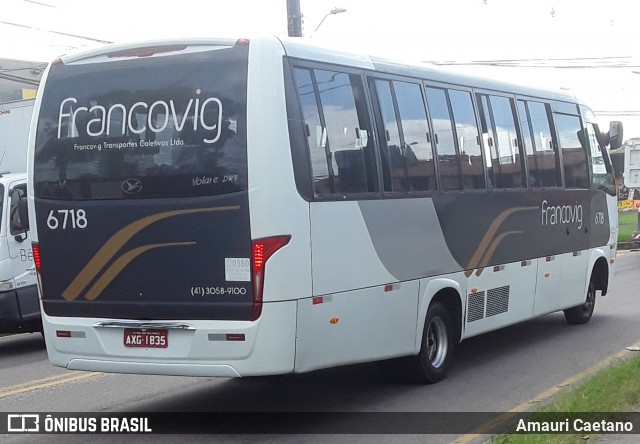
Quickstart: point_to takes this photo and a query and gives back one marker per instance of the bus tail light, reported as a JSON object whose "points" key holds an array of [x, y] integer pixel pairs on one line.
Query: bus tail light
{"points": [[35, 248], [36, 257], [262, 250]]}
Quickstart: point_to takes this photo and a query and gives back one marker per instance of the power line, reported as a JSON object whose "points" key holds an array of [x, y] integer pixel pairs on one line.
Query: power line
{"points": [[40, 3], [566, 63], [56, 32], [618, 113]]}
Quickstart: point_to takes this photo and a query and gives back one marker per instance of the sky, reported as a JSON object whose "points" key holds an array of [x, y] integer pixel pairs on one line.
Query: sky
{"points": [[587, 46]]}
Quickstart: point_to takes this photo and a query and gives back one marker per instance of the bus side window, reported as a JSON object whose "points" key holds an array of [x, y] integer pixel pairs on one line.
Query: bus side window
{"points": [[468, 140], [338, 127], [448, 159], [574, 153], [504, 156], [393, 161], [407, 156], [417, 147], [315, 131], [542, 158], [527, 144], [601, 169], [348, 125]]}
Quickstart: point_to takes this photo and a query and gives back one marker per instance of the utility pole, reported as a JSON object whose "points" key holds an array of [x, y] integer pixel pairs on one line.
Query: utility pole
{"points": [[294, 18]]}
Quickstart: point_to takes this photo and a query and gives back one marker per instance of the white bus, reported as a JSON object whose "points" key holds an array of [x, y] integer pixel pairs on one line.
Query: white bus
{"points": [[237, 208]]}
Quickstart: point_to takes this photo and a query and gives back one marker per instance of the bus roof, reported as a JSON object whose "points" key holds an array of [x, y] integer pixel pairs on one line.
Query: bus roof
{"points": [[304, 49], [309, 50]]}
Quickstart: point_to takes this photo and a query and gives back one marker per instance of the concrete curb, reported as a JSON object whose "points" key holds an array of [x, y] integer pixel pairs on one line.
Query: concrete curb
{"points": [[628, 245]]}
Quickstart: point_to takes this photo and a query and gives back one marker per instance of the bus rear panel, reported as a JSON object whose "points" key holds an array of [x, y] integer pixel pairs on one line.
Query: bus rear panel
{"points": [[141, 188]]}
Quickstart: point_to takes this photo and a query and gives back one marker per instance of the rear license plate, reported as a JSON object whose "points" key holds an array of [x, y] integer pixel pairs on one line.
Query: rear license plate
{"points": [[149, 338]]}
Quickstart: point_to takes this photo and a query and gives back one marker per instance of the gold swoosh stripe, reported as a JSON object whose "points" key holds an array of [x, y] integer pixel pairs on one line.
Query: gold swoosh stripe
{"points": [[488, 236], [492, 248], [115, 242], [121, 263]]}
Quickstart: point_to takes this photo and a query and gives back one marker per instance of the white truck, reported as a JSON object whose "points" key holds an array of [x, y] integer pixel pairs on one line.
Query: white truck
{"points": [[632, 175], [19, 304], [15, 120]]}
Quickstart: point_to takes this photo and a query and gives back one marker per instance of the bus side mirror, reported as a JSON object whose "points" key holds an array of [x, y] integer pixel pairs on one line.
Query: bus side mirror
{"points": [[615, 135]]}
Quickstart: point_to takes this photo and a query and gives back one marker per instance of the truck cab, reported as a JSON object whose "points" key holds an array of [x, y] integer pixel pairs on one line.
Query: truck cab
{"points": [[19, 303]]}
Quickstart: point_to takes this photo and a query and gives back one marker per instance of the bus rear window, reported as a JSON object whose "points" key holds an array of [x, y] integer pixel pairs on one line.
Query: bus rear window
{"points": [[172, 125]]}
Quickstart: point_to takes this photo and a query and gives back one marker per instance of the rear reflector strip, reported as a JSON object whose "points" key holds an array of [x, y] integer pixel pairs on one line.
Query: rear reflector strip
{"points": [[235, 336], [70, 334], [232, 337]]}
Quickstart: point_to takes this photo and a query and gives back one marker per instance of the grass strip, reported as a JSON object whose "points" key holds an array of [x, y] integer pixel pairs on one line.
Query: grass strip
{"points": [[627, 224], [613, 389]]}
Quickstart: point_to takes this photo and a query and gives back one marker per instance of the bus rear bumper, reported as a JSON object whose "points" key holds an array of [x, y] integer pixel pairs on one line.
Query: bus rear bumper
{"points": [[147, 368], [210, 348]]}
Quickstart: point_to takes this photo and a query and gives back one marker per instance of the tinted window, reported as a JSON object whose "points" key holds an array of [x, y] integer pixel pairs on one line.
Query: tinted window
{"points": [[407, 155], [601, 170], [527, 143], [467, 135], [394, 159], [573, 143], [448, 161], [315, 131], [542, 159], [415, 131], [171, 125], [341, 132], [501, 139]]}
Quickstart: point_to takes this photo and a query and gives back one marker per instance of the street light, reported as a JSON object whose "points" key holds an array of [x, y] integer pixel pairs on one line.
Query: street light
{"points": [[334, 11]]}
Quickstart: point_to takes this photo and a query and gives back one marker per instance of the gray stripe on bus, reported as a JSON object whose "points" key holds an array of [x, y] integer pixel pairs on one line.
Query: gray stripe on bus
{"points": [[405, 248]]}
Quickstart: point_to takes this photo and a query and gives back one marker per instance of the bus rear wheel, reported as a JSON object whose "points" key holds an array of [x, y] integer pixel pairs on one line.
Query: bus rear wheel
{"points": [[436, 353], [582, 313]]}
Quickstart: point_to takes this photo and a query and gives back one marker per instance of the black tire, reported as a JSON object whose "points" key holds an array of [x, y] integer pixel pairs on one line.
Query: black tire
{"points": [[432, 364], [582, 313]]}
